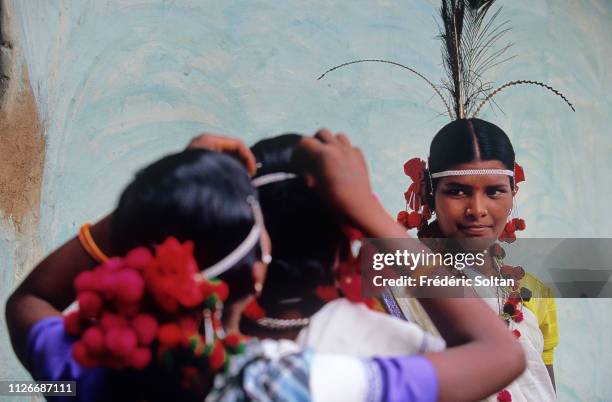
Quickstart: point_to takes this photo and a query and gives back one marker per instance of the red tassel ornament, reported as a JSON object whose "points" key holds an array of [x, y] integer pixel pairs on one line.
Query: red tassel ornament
{"points": [[415, 168]]}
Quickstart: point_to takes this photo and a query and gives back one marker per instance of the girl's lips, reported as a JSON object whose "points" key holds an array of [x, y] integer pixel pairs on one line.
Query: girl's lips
{"points": [[475, 230]]}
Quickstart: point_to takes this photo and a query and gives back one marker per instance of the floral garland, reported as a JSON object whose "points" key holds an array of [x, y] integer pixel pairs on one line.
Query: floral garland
{"points": [[145, 307], [417, 215]]}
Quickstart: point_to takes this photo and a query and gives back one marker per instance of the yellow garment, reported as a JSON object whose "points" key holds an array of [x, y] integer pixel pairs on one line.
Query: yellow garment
{"points": [[542, 305]]}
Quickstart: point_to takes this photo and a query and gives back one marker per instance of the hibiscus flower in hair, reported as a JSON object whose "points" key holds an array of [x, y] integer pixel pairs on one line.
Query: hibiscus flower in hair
{"points": [[170, 277]]}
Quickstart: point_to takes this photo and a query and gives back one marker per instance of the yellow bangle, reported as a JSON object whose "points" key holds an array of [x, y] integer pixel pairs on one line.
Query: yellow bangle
{"points": [[90, 245]]}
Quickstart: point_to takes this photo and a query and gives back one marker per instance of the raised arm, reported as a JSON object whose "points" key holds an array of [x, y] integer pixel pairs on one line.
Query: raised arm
{"points": [[48, 289]]}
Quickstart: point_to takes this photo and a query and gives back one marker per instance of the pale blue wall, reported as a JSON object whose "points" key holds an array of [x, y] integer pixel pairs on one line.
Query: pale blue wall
{"points": [[119, 83]]}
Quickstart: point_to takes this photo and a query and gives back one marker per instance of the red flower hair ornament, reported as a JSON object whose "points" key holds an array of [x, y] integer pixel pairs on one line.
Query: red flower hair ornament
{"points": [[146, 305], [142, 307], [416, 169]]}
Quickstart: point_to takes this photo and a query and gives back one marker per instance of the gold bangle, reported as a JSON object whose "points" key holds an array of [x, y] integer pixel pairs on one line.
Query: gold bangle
{"points": [[90, 245]]}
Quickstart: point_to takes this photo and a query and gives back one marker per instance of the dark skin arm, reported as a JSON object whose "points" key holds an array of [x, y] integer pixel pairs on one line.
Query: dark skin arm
{"points": [[48, 289], [488, 351]]}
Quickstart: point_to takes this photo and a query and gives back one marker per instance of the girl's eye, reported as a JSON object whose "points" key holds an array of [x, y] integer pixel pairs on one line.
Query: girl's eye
{"points": [[455, 192], [495, 192]]}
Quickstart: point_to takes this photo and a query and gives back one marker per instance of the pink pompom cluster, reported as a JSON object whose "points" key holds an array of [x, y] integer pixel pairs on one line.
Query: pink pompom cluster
{"points": [[128, 307]]}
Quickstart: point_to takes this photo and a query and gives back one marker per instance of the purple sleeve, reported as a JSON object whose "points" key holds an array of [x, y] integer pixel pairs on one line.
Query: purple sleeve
{"points": [[49, 358], [406, 379]]}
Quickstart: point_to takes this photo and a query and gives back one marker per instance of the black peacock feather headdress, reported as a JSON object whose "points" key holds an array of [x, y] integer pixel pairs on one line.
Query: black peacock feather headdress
{"points": [[469, 38]]}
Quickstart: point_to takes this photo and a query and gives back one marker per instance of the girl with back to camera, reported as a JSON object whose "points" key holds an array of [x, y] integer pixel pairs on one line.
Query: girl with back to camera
{"points": [[312, 291]]}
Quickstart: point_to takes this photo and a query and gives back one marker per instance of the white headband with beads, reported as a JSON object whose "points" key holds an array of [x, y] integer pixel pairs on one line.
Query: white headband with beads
{"points": [[272, 178], [243, 248], [472, 172], [254, 235]]}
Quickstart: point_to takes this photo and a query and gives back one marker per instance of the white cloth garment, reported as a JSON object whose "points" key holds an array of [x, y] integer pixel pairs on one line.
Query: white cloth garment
{"points": [[350, 328], [534, 384]]}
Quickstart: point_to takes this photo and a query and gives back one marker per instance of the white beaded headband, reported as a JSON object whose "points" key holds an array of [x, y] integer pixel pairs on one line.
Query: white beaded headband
{"points": [[243, 248], [272, 178], [472, 172], [254, 235]]}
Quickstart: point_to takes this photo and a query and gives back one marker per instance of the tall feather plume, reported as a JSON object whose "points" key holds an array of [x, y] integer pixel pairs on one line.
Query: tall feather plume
{"points": [[468, 41], [522, 82], [452, 13], [480, 51], [469, 49], [412, 70]]}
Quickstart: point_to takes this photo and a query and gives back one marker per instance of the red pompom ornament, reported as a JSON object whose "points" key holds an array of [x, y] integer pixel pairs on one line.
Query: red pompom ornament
{"points": [[516, 333], [129, 286], [138, 258], [519, 223], [190, 295], [518, 316], [253, 311], [72, 323], [121, 301], [221, 289], [121, 341], [232, 340], [86, 280], [504, 396], [217, 356], [93, 339], [414, 219], [402, 218], [169, 335], [140, 358], [145, 326], [415, 168], [514, 299], [327, 293], [112, 264], [82, 356], [128, 309], [111, 320], [507, 237], [90, 304]]}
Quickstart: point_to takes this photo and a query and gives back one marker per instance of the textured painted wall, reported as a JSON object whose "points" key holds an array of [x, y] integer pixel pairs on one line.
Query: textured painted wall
{"points": [[119, 83]]}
